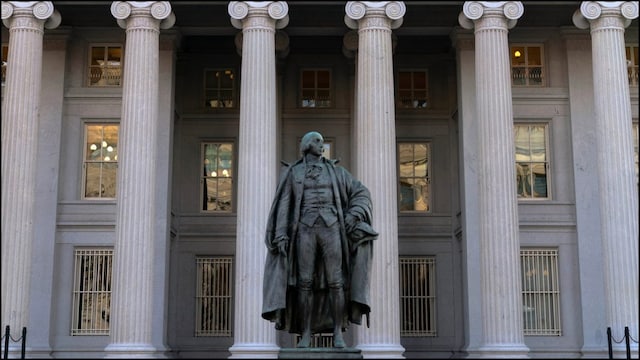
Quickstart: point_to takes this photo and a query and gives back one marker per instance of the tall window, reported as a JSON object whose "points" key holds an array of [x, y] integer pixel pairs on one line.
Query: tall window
{"points": [[532, 160], [527, 67], [219, 88], [100, 161], [413, 89], [92, 291], [632, 64], [315, 88], [417, 296], [415, 176], [213, 296], [217, 176], [540, 292], [5, 57], [105, 67]]}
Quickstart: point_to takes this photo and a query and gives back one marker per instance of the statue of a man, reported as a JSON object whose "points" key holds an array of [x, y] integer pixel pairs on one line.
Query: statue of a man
{"points": [[320, 243]]}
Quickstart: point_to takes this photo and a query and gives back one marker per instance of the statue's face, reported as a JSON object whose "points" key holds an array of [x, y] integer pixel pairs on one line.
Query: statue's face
{"points": [[316, 145]]}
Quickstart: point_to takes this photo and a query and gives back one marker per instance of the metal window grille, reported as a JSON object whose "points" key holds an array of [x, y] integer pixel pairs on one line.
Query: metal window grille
{"points": [[540, 292], [214, 296], [92, 291], [417, 296]]}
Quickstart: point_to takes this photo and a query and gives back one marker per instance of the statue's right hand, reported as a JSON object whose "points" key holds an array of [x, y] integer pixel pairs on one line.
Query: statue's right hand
{"points": [[282, 247]]}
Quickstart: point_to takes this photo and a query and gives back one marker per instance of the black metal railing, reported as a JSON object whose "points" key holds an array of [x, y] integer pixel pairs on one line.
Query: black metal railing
{"points": [[627, 339], [7, 337]]}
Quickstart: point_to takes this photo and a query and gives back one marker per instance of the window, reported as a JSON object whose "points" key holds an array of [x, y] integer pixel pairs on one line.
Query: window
{"points": [[317, 340], [635, 148], [5, 57], [526, 65], [415, 176], [92, 291], [417, 296], [100, 161], [632, 64], [219, 88], [532, 162], [413, 89], [213, 296], [217, 177], [315, 87], [540, 292], [105, 67]]}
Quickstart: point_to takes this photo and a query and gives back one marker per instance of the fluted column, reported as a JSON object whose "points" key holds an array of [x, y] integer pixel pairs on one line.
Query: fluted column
{"points": [[375, 166], [257, 170], [20, 116], [618, 189], [132, 293], [499, 233]]}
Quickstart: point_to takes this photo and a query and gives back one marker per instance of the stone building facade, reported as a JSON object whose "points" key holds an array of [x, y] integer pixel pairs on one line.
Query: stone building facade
{"points": [[142, 141]]}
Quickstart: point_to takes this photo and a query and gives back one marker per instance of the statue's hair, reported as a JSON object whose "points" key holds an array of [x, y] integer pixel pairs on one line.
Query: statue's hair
{"points": [[305, 143]]}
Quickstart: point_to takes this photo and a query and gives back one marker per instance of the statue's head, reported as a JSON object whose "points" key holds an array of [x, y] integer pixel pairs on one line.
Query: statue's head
{"points": [[306, 141]]}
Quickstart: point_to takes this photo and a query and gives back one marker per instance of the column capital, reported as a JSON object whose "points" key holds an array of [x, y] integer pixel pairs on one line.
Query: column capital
{"points": [[240, 11], [356, 10], [593, 13], [159, 10], [41, 10], [473, 12]]}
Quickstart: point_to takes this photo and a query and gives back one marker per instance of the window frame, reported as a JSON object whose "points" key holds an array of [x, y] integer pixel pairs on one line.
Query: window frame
{"points": [[413, 90], [219, 88], [91, 66], [203, 178], [547, 162], [85, 161], [527, 66], [316, 88], [428, 178]]}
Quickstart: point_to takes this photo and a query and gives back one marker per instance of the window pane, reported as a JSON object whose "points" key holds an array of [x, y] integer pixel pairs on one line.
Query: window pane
{"points": [[517, 55], [523, 179], [324, 79], [538, 143], [404, 80], [419, 80], [97, 55], [539, 173], [521, 139], [308, 79], [92, 187], [109, 172], [534, 56]]}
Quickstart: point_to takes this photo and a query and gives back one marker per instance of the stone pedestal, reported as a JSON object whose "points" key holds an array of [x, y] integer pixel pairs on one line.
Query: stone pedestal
{"points": [[320, 353]]}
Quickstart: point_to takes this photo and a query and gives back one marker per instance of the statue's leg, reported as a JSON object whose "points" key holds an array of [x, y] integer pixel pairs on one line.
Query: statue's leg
{"points": [[337, 299], [305, 301]]}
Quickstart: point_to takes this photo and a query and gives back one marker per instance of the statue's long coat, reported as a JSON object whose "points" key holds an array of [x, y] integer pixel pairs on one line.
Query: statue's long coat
{"points": [[280, 303]]}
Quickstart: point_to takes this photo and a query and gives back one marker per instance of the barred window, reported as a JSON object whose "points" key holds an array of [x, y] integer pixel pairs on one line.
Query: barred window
{"points": [[220, 88], [532, 161], [100, 160], [92, 291], [315, 88], [417, 296], [217, 177], [540, 292], [632, 64], [214, 295], [413, 89], [527, 66], [317, 340], [105, 65], [415, 176]]}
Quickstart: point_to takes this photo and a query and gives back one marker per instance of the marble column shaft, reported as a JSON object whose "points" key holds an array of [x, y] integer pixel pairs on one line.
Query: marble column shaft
{"points": [[132, 293], [499, 232], [257, 171], [375, 149], [618, 188], [20, 117]]}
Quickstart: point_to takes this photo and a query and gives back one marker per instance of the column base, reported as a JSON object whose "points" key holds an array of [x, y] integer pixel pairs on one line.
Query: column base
{"points": [[382, 351], [254, 351], [131, 351], [320, 353]]}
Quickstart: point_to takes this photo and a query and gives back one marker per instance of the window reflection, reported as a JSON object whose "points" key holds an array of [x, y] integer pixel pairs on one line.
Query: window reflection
{"points": [[217, 177], [414, 176], [531, 160]]}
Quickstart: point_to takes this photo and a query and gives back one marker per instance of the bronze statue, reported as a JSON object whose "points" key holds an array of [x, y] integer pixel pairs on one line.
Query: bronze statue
{"points": [[320, 243]]}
